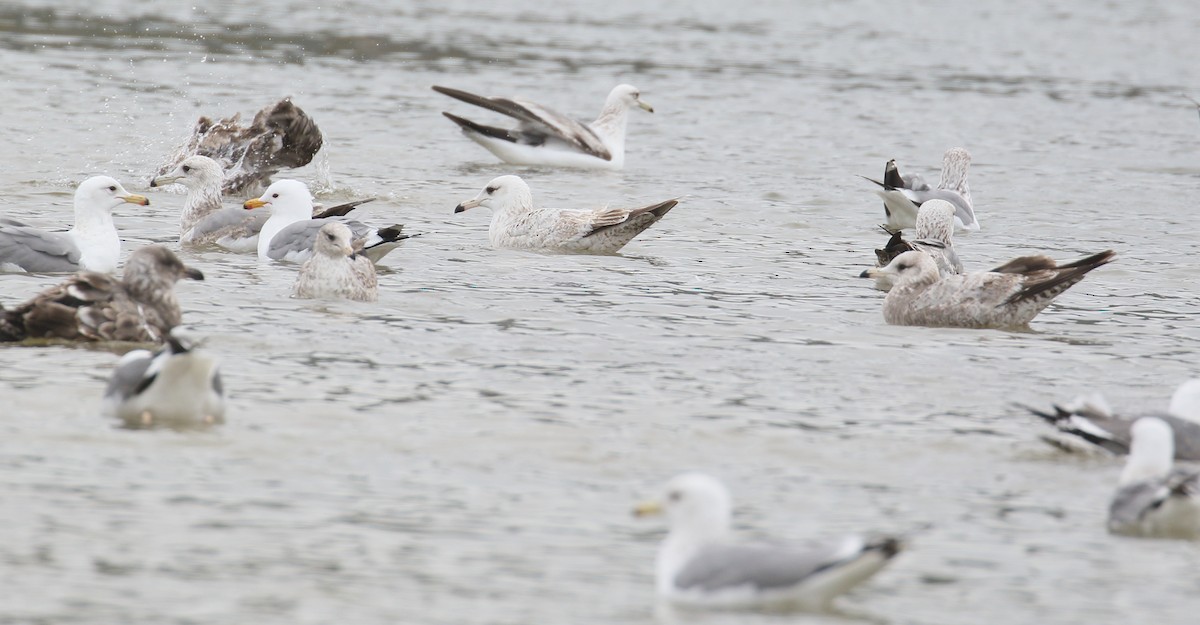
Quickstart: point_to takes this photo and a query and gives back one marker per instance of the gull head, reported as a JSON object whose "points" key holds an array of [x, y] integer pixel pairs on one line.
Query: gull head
{"points": [[1185, 403], [105, 193], [629, 96], [500, 194], [907, 268], [935, 221], [195, 172], [285, 197], [695, 504], [334, 240], [156, 267], [1151, 452]]}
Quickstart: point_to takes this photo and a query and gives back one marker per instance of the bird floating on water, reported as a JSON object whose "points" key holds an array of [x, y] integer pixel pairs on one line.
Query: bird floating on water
{"points": [[1152, 500], [903, 195], [177, 386], [934, 236], [335, 271]]}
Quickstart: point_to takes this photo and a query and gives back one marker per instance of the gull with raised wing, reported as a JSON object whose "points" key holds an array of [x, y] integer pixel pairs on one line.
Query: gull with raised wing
{"points": [[91, 245], [177, 387], [903, 196], [935, 237], [518, 224], [1152, 500], [699, 566], [547, 137]]}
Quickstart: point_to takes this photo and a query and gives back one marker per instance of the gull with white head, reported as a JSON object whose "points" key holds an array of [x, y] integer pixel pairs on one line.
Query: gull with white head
{"points": [[335, 271], [291, 230], [91, 245], [1152, 500], [518, 224], [903, 196], [547, 137], [177, 387], [698, 565]]}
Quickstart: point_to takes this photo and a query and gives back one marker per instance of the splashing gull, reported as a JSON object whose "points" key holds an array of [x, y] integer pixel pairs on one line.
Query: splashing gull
{"points": [[1009, 296], [935, 237], [547, 137], [280, 136], [141, 307], [92, 245], [902, 196], [205, 221], [1090, 419], [516, 224], [698, 566], [177, 387], [290, 231], [1152, 500], [335, 271]]}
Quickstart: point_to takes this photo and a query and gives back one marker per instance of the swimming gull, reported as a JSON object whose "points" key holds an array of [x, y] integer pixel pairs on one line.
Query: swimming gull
{"points": [[1152, 500], [516, 224], [935, 237], [290, 231], [335, 271], [547, 137], [206, 221], [91, 245], [698, 566], [1090, 419], [902, 196], [89, 306], [1009, 296], [280, 136], [177, 386]]}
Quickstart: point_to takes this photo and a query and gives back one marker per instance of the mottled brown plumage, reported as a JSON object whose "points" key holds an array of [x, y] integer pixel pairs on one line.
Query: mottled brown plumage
{"points": [[140, 307]]}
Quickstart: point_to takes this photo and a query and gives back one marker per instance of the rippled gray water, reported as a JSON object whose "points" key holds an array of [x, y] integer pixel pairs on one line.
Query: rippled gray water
{"points": [[467, 450]]}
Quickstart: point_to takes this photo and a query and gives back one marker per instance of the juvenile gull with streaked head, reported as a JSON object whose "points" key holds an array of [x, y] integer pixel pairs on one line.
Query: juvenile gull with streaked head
{"points": [[335, 271], [934, 236]]}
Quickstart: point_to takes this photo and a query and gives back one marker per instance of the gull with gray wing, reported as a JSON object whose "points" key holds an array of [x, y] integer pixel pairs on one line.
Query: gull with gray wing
{"points": [[177, 387], [935, 237], [335, 271], [1152, 500], [903, 196]]}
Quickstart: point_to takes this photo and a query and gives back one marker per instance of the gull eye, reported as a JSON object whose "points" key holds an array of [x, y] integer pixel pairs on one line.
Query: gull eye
{"points": [[274, 195], [112, 188], [491, 190], [903, 266], [186, 168], [329, 235]]}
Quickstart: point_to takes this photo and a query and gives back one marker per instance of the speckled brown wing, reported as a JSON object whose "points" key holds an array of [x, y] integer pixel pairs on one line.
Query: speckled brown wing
{"points": [[76, 309]]}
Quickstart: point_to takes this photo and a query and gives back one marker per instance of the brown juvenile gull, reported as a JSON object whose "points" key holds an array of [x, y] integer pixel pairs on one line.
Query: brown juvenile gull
{"points": [[902, 196], [290, 231], [335, 271], [1152, 500], [935, 237], [1090, 419], [280, 136], [92, 245], [177, 386], [547, 137], [1009, 296], [699, 566], [140, 307], [206, 221], [517, 224]]}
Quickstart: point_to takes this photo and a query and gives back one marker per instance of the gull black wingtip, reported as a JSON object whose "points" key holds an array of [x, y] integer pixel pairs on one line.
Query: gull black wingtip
{"points": [[865, 274], [193, 274]]}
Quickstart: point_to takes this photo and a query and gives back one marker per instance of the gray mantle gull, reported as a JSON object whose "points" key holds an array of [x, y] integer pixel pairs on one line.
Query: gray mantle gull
{"points": [[1009, 296], [141, 307], [280, 136], [547, 137], [176, 387], [902, 196], [91, 245], [934, 236], [1090, 420], [517, 224], [698, 566], [335, 271], [206, 221], [291, 230], [1152, 500]]}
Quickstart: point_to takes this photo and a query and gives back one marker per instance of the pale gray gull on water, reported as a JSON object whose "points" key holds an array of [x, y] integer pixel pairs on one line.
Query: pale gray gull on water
{"points": [[280, 136], [547, 137], [1009, 296], [698, 565], [1089, 419], [140, 307], [177, 386], [934, 236], [291, 230], [1152, 500], [335, 271], [517, 224], [91, 245], [902, 196], [206, 221]]}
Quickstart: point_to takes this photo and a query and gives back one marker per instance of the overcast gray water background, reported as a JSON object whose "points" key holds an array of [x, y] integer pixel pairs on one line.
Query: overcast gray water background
{"points": [[468, 449]]}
